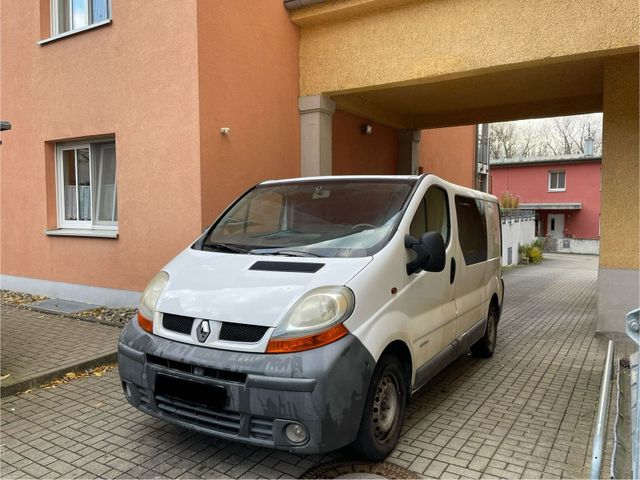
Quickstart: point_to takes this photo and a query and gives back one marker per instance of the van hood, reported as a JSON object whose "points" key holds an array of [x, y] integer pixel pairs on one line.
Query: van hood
{"points": [[250, 289]]}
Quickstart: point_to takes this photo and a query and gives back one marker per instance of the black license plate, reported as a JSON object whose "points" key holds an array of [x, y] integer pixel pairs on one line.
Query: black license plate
{"points": [[201, 394]]}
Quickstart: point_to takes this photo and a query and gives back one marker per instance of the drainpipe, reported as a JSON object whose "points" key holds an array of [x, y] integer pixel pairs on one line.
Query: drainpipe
{"points": [[294, 4]]}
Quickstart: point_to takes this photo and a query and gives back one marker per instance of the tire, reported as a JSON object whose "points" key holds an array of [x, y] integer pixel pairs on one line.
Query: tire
{"points": [[383, 412], [485, 347]]}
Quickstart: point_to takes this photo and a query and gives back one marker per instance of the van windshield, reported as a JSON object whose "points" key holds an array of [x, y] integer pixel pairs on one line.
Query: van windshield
{"points": [[324, 218]]}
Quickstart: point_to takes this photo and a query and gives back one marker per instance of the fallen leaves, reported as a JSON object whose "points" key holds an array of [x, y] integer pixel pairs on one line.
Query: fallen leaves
{"points": [[69, 376], [19, 298]]}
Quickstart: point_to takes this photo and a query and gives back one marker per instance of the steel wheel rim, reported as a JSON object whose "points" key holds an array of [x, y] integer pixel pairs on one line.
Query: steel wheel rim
{"points": [[386, 406]]}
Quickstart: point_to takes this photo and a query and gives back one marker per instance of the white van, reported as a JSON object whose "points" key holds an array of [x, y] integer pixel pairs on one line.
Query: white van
{"points": [[310, 311]]}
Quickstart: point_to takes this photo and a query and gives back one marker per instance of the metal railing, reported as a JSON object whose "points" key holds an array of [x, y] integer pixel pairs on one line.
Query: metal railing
{"points": [[633, 332], [516, 214], [603, 414]]}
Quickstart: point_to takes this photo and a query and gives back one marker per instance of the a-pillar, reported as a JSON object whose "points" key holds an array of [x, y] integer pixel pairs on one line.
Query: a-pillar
{"points": [[316, 115], [618, 274], [408, 151]]}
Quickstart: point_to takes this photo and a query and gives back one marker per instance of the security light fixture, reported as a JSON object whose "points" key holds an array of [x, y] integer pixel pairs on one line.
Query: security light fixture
{"points": [[225, 130], [366, 129], [4, 125]]}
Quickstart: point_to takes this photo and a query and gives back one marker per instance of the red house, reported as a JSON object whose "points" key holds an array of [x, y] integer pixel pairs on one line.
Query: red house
{"points": [[565, 193]]}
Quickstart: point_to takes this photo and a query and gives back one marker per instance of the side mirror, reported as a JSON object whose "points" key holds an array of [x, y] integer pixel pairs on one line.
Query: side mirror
{"points": [[430, 253]]}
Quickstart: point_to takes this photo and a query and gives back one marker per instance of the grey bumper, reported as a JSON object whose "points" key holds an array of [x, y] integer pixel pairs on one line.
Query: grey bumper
{"points": [[324, 389]]}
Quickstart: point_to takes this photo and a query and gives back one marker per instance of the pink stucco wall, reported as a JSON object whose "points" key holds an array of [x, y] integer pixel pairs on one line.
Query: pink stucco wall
{"points": [[530, 183], [357, 154], [449, 153], [128, 79], [162, 78]]}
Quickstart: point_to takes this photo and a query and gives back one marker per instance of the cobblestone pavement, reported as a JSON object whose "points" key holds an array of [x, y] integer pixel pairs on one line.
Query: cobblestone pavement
{"points": [[38, 347], [525, 413]]}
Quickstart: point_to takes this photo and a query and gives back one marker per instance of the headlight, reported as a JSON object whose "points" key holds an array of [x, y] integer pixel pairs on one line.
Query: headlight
{"points": [[315, 320], [149, 300]]}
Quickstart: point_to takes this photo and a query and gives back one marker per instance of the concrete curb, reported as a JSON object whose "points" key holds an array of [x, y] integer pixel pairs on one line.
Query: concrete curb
{"points": [[55, 373]]}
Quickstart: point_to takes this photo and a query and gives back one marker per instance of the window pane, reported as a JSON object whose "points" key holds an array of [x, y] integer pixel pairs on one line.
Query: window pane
{"points": [[99, 11], [64, 20], [69, 180], [265, 213], [80, 13], [84, 184], [493, 229], [438, 213], [104, 156], [561, 180], [472, 229], [418, 225]]}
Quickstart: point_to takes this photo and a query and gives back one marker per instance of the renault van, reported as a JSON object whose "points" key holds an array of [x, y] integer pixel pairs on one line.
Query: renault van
{"points": [[312, 308]]}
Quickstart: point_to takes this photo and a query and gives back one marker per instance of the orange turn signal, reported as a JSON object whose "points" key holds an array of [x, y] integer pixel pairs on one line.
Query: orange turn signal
{"points": [[145, 323], [289, 345]]}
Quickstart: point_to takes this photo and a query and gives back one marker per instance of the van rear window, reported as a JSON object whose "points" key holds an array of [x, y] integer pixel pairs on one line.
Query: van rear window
{"points": [[472, 229]]}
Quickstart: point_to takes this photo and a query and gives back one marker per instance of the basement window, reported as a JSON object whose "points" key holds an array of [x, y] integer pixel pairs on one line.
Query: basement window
{"points": [[86, 191], [557, 181]]}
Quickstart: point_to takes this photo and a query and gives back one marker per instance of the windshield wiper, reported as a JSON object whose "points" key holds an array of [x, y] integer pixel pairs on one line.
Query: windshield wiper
{"points": [[285, 252], [227, 247]]}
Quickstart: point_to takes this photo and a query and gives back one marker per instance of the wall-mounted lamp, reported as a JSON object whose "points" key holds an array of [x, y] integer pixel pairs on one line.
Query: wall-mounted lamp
{"points": [[366, 129], [225, 130]]}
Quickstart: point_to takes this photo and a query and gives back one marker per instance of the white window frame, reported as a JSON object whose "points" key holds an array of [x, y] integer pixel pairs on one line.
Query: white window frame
{"points": [[90, 23], [92, 224], [549, 188]]}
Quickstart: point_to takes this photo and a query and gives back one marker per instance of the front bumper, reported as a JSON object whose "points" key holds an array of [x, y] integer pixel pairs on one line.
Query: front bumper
{"points": [[324, 389]]}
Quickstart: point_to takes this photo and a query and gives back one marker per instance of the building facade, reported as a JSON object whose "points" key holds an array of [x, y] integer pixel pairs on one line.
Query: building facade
{"points": [[134, 124], [564, 192], [200, 99]]}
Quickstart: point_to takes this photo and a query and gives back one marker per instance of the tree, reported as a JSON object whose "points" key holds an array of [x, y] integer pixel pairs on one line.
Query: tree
{"points": [[545, 137]]}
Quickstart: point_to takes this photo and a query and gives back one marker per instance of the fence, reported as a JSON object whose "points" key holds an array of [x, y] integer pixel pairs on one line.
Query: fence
{"points": [[518, 228]]}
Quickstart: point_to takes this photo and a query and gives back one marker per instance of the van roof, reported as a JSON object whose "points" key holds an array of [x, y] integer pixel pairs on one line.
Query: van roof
{"points": [[455, 188], [338, 178]]}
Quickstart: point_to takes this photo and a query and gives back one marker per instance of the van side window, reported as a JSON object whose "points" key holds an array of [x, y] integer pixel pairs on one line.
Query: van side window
{"points": [[494, 232], [472, 229], [432, 215], [438, 213], [419, 222]]}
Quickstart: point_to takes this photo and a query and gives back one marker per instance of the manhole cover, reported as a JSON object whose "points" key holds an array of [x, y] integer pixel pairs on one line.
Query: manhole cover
{"points": [[355, 469]]}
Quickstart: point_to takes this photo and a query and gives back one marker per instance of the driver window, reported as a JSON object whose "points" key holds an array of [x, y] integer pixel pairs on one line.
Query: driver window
{"points": [[432, 215]]}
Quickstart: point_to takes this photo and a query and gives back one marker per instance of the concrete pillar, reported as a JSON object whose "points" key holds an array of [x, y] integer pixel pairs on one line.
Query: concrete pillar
{"points": [[618, 273], [316, 113], [408, 151]]}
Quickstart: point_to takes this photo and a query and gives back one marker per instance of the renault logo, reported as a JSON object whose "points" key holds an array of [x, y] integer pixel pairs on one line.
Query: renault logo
{"points": [[203, 330]]}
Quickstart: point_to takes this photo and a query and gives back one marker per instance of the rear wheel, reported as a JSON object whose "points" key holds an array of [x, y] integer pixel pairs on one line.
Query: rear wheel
{"points": [[485, 347], [383, 412]]}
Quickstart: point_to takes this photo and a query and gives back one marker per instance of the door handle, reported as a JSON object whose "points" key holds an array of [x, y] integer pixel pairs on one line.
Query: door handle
{"points": [[452, 272]]}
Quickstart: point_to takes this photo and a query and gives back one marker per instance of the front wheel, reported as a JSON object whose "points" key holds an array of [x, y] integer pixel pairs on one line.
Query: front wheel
{"points": [[485, 347], [383, 412]]}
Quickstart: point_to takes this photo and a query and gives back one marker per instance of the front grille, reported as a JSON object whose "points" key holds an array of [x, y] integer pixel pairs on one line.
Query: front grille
{"points": [[261, 428], [225, 421], [238, 332], [228, 422], [230, 332], [177, 323], [226, 375]]}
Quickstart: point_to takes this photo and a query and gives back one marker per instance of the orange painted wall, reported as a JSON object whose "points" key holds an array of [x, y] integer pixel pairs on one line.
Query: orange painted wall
{"points": [[357, 154], [449, 153], [248, 82], [131, 79]]}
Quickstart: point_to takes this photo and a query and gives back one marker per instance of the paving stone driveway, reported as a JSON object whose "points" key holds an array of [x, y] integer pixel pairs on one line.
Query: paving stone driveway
{"points": [[526, 412]]}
